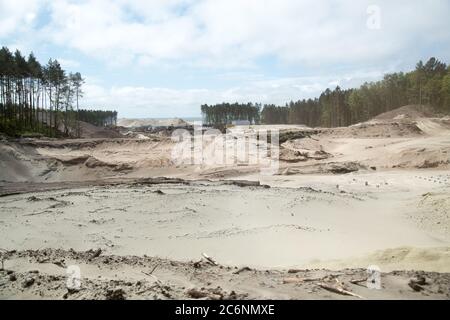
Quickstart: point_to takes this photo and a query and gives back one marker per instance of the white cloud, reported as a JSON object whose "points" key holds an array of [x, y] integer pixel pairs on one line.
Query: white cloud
{"points": [[235, 32], [133, 101], [17, 15], [233, 39], [68, 64]]}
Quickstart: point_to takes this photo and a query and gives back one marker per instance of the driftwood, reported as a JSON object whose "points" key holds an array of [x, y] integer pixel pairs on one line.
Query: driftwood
{"points": [[358, 281], [338, 290], [158, 282], [209, 259], [294, 270], [300, 280], [242, 269], [151, 271], [97, 253], [60, 263]]}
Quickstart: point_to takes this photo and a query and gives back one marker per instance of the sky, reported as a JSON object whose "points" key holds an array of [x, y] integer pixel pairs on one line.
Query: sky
{"points": [[164, 58]]}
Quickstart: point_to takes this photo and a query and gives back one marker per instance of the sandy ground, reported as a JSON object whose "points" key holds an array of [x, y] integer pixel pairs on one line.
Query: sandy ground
{"points": [[376, 193], [179, 221], [41, 274]]}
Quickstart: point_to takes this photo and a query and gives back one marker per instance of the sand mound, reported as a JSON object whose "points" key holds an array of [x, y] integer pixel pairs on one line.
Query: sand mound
{"points": [[302, 150], [400, 258], [407, 121], [421, 158], [376, 129], [408, 112]]}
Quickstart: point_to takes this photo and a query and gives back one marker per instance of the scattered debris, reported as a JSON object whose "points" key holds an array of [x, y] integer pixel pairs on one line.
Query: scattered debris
{"points": [[97, 253], [196, 294], [242, 269], [294, 270], [358, 281], [209, 259], [60, 263], [214, 294], [115, 294], [29, 281], [189, 283], [417, 283], [338, 289], [299, 280], [151, 272]]}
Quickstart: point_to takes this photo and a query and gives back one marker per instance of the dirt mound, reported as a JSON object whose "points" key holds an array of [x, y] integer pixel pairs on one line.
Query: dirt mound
{"points": [[376, 129], [19, 163], [408, 112]]}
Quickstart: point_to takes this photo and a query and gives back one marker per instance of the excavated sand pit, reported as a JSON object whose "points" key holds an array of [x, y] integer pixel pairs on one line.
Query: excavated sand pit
{"points": [[342, 199]]}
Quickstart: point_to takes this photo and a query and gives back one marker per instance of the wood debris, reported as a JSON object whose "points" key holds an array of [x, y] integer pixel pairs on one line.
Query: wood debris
{"points": [[209, 259], [242, 269]]}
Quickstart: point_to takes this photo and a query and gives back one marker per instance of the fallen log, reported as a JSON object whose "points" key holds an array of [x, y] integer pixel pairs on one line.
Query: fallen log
{"points": [[358, 281], [338, 290], [300, 280]]}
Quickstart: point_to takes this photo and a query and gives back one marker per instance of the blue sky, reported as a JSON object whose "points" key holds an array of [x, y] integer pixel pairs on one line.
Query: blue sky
{"points": [[164, 58]]}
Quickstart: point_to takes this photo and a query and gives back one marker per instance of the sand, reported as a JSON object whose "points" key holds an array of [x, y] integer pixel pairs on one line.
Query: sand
{"points": [[342, 199], [41, 274]]}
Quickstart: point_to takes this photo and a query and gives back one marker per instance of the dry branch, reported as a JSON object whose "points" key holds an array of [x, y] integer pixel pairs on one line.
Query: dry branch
{"points": [[300, 280], [242, 269], [358, 281], [209, 259], [338, 290]]}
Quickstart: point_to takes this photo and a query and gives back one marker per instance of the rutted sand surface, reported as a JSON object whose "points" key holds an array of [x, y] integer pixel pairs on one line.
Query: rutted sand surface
{"points": [[281, 226]]}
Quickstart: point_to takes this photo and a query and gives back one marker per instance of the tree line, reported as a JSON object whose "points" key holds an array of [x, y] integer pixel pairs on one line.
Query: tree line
{"points": [[42, 98], [226, 113], [428, 84], [99, 118]]}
